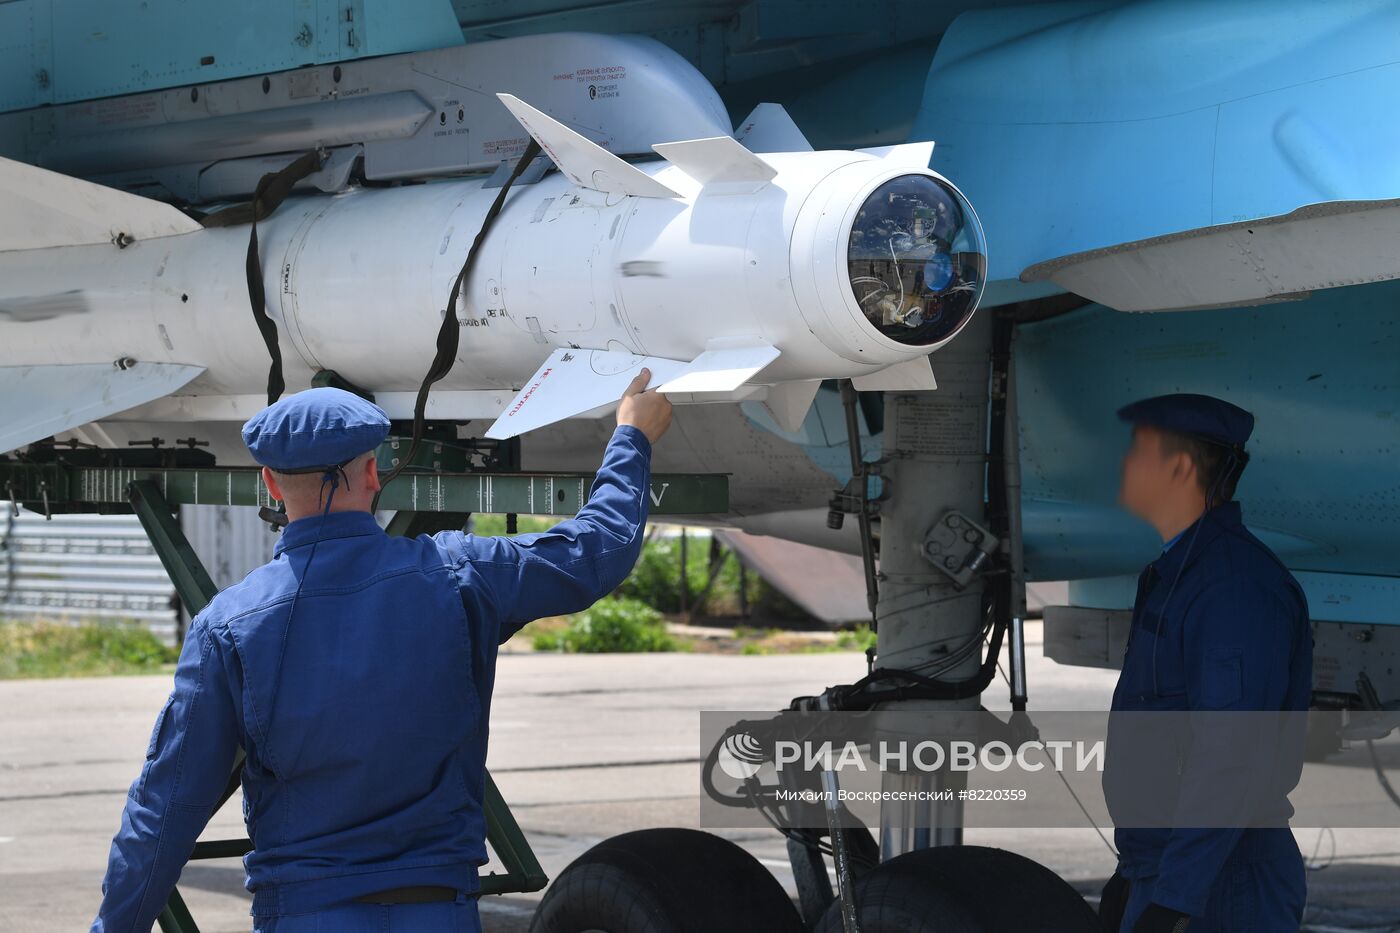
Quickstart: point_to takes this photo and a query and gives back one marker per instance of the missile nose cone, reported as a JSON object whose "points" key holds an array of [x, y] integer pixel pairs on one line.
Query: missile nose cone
{"points": [[917, 259]]}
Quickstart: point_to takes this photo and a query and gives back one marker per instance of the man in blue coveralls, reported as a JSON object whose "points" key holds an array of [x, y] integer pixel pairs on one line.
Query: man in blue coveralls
{"points": [[360, 687], [1218, 624]]}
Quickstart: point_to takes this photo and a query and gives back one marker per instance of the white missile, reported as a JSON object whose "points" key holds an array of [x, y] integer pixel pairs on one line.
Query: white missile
{"points": [[731, 274]]}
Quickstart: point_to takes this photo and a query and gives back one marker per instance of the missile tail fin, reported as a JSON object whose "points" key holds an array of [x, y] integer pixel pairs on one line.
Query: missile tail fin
{"points": [[585, 162], [718, 160], [769, 129], [575, 383], [44, 209], [38, 401]]}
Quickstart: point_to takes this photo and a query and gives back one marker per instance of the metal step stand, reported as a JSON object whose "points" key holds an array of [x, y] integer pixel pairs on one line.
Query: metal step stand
{"points": [[426, 503]]}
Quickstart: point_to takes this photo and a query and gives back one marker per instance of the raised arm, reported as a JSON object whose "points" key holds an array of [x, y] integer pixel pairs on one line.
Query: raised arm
{"points": [[507, 582]]}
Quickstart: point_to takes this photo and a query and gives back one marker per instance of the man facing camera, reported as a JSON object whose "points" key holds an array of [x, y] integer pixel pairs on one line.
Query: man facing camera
{"points": [[1219, 624], [355, 670]]}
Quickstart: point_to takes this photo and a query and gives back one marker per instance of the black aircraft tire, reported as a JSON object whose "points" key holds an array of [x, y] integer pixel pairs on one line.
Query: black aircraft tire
{"points": [[898, 898], [965, 889], [666, 881]]}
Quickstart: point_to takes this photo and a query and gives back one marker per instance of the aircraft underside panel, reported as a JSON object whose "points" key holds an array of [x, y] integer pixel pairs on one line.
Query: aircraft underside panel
{"points": [[1320, 376], [1080, 126]]}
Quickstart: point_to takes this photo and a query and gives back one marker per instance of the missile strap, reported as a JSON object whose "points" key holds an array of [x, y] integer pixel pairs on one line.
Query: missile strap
{"points": [[449, 334], [272, 190]]}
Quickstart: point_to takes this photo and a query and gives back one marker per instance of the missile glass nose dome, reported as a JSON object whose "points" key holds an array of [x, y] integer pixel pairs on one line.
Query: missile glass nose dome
{"points": [[917, 260]]}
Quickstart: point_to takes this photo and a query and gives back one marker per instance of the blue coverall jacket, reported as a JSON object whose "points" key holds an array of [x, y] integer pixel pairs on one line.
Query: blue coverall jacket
{"points": [[364, 722], [1231, 634]]}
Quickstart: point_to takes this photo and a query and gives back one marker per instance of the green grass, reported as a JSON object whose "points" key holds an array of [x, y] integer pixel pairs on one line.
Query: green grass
{"points": [[762, 641], [630, 621], [610, 625], [48, 649]]}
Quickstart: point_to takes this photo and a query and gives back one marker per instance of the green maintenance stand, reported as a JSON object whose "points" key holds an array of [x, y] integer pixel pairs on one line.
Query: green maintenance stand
{"points": [[425, 503]]}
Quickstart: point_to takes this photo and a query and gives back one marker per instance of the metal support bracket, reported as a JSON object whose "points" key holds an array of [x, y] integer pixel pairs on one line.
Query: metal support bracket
{"points": [[959, 547], [71, 487], [855, 498]]}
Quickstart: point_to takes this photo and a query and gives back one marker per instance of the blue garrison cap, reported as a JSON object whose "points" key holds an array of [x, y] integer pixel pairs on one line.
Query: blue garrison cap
{"points": [[1198, 415], [322, 427]]}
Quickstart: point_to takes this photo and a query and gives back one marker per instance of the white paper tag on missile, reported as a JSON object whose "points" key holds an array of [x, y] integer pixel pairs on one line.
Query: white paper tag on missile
{"points": [[573, 382]]}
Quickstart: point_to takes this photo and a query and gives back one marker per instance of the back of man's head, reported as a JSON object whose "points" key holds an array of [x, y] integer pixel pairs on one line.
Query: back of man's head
{"points": [[1218, 467], [355, 485]]}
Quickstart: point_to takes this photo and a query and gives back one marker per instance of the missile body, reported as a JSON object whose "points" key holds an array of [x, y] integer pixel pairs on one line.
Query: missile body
{"points": [[840, 264]]}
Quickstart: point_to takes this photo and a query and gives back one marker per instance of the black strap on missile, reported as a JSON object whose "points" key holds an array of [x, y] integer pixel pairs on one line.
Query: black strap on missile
{"points": [[449, 334], [272, 190]]}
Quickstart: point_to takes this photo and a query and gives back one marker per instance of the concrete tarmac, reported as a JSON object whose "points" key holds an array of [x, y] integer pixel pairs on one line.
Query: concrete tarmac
{"points": [[583, 747]]}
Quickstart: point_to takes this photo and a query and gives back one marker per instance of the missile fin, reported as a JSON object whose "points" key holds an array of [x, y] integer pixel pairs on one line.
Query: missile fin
{"points": [[910, 376], [789, 402], [718, 160], [44, 209], [585, 162], [914, 155], [769, 129], [721, 370], [37, 401], [576, 383]]}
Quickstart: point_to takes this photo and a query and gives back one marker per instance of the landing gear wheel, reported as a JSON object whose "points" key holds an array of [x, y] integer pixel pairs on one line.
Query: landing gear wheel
{"points": [[666, 881], [965, 889]]}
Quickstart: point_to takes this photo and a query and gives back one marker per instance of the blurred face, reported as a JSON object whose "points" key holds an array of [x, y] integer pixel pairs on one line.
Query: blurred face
{"points": [[1153, 480]]}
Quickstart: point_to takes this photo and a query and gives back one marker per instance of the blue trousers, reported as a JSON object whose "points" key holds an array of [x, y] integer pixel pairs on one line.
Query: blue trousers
{"points": [[1250, 896], [446, 917]]}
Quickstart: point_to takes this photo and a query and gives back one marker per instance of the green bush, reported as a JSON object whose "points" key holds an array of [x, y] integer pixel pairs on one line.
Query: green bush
{"points": [[47, 649], [613, 625], [860, 638], [494, 524], [547, 641], [656, 579]]}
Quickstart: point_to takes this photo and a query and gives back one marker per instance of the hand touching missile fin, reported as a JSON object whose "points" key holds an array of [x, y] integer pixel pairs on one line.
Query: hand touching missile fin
{"points": [[585, 162], [575, 382]]}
